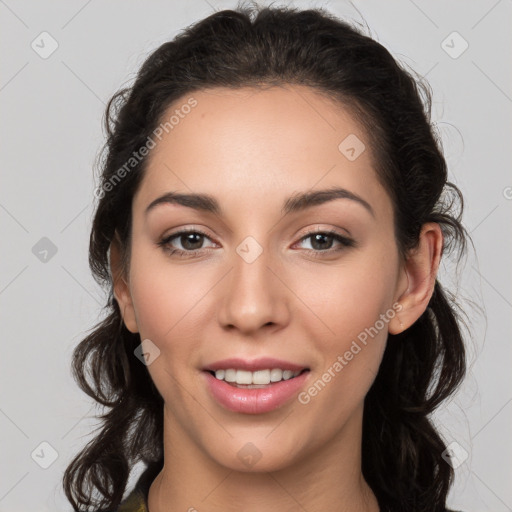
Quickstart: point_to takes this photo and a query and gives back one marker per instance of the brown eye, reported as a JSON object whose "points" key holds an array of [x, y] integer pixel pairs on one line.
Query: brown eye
{"points": [[190, 242], [323, 241]]}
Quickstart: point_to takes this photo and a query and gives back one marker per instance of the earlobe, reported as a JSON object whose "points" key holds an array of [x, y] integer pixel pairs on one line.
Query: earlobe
{"points": [[121, 287], [420, 270]]}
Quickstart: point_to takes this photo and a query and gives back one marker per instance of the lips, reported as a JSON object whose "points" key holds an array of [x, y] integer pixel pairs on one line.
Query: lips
{"points": [[254, 399], [262, 363]]}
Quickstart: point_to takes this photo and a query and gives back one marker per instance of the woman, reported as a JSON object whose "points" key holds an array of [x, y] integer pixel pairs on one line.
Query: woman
{"points": [[272, 213]]}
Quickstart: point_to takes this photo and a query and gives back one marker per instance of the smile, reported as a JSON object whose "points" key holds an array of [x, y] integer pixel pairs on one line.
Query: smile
{"points": [[253, 380]]}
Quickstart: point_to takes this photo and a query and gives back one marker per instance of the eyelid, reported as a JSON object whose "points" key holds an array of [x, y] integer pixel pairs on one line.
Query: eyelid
{"points": [[327, 230], [345, 241], [182, 231]]}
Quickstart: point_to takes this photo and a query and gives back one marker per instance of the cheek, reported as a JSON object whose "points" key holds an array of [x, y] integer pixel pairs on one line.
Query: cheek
{"points": [[349, 297], [353, 306], [170, 302], [166, 295], [170, 308]]}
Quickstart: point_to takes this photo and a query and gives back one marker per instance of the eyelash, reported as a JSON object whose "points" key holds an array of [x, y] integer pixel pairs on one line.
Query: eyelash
{"points": [[344, 241]]}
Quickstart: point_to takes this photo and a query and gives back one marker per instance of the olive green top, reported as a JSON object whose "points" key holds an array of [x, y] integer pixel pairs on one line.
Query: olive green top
{"points": [[137, 500]]}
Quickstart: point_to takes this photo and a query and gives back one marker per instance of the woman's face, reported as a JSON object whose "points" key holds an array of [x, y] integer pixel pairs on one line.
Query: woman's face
{"points": [[256, 283]]}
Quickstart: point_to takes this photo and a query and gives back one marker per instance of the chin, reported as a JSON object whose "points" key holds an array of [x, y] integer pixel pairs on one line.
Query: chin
{"points": [[252, 456]]}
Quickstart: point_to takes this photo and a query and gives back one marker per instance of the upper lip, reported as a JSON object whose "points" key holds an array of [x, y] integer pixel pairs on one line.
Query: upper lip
{"points": [[262, 363]]}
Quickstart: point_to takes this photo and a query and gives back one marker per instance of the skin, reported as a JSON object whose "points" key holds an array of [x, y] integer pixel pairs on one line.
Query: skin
{"points": [[252, 149]]}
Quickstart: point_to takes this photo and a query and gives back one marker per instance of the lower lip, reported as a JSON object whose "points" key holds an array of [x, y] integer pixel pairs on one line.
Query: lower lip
{"points": [[254, 400]]}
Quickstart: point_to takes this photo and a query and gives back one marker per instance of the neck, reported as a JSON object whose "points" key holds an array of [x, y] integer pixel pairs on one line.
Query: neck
{"points": [[328, 478]]}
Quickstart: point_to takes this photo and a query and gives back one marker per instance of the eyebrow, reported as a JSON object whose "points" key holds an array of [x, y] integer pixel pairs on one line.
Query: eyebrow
{"points": [[297, 202]]}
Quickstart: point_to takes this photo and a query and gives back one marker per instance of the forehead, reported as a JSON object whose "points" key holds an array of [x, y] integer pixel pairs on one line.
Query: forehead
{"points": [[253, 142]]}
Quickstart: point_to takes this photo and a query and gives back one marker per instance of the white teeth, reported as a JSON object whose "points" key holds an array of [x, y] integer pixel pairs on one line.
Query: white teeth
{"points": [[230, 376], [287, 374], [276, 375], [243, 377], [259, 377]]}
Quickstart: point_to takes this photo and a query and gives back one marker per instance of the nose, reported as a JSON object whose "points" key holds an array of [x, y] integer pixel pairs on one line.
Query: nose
{"points": [[253, 296]]}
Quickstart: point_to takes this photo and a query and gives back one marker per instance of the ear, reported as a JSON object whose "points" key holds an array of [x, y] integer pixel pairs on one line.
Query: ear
{"points": [[121, 286], [419, 274]]}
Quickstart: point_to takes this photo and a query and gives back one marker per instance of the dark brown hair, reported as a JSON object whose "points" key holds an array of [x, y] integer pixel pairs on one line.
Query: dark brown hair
{"points": [[402, 450]]}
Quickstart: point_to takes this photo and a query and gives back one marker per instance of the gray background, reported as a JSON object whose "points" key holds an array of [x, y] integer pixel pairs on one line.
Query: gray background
{"points": [[51, 132]]}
